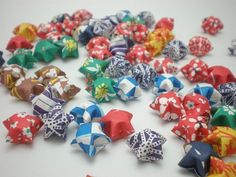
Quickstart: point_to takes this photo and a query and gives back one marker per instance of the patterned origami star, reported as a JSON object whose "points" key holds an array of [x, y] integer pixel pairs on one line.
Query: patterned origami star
{"points": [[56, 122], [29, 31], [209, 92], [165, 83], [22, 128], [224, 116], [117, 124], [196, 104], [165, 66], [89, 112], [44, 102], [90, 138], [68, 47], [219, 168], [228, 92], [2, 61], [103, 89], [127, 88], [147, 145], [197, 157], [46, 51], [23, 57], [17, 42], [169, 106], [191, 128], [223, 140]]}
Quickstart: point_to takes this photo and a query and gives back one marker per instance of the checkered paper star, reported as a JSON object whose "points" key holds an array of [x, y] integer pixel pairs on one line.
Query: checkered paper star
{"points": [[56, 122], [90, 138]]}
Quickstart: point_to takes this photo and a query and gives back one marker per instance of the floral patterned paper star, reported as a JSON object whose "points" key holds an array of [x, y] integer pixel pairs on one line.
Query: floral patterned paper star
{"points": [[56, 122]]}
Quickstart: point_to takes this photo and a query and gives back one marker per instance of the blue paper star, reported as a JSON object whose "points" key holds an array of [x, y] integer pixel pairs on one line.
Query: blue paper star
{"points": [[197, 157], [56, 122], [2, 61]]}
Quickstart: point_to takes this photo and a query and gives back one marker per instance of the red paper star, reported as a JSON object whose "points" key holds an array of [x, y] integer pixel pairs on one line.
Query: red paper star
{"points": [[18, 42], [117, 124]]}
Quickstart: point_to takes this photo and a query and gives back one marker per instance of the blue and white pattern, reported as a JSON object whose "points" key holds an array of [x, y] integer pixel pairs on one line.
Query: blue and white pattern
{"points": [[84, 33], [147, 145], [147, 18], [176, 50], [89, 112], [124, 15], [197, 157], [209, 92], [2, 61], [90, 138], [118, 45], [103, 27], [44, 102], [118, 66], [228, 92], [165, 83], [56, 122], [127, 88], [144, 75]]}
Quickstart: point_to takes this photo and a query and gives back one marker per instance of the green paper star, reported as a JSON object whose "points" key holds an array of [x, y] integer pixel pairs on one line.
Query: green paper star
{"points": [[93, 68], [46, 51], [225, 116], [68, 47], [102, 89], [24, 58]]}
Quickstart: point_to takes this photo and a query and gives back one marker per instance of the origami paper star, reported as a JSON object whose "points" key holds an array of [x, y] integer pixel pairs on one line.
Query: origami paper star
{"points": [[18, 42], [46, 73], [199, 46], [93, 68], [62, 88], [191, 128], [103, 27], [118, 45], [195, 71], [68, 47], [165, 83], [46, 28], [10, 74], [98, 41], [169, 106], [25, 87], [124, 15], [219, 75], [22, 128], [103, 89], [89, 112], [45, 50], [84, 33], [228, 92], [197, 158], [220, 168], [209, 92], [139, 33], [23, 57], [127, 88], [212, 25], [118, 66], [138, 54], [82, 16], [223, 140], [165, 22], [44, 102], [56, 122], [90, 138], [232, 48], [144, 75], [2, 61], [147, 18], [165, 66], [27, 30], [196, 104], [224, 116], [147, 145], [117, 124], [99, 52], [176, 50]]}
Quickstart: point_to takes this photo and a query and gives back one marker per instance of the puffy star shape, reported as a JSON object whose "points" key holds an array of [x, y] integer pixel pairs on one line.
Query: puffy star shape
{"points": [[223, 140], [90, 138], [22, 128], [220, 168], [46, 51], [147, 145], [56, 122], [197, 157], [191, 128], [23, 57], [17, 42], [224, 116], [117, 124], [228, 92]]}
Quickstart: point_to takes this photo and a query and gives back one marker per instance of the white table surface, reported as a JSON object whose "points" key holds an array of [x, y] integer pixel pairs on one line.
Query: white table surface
{"points": [[53, 158]]}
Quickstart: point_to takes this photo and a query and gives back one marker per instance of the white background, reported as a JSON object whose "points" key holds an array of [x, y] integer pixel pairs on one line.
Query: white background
{"points": [[56, 158]]}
